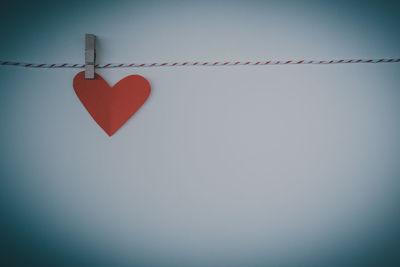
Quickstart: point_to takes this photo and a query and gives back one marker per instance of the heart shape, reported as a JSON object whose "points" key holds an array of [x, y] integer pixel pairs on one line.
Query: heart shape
{"points": [[110, 106]]}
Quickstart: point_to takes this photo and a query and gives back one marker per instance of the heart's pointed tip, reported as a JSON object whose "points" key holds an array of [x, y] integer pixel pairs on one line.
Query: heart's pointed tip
{"points": [[110, 133]]}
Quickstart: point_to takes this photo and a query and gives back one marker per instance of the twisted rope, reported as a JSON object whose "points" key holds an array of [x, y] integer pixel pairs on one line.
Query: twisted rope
{"points": [[217, 63]]}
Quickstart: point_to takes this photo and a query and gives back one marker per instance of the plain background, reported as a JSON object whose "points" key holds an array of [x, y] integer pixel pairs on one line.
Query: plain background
{"points": [[223, 166]]}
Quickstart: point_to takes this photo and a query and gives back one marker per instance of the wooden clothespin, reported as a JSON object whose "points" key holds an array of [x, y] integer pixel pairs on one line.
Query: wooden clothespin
{"points": [[90, 55]]}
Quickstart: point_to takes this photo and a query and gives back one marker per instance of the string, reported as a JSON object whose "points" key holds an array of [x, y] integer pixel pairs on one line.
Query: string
{"points": [[195, 63]]}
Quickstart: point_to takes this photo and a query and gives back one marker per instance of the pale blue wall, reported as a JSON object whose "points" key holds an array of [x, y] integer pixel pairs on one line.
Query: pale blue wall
{"points": [[223, 166]]}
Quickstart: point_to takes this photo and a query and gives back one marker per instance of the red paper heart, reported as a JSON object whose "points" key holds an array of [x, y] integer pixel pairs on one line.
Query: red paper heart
{"points": [[110, 106]]}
